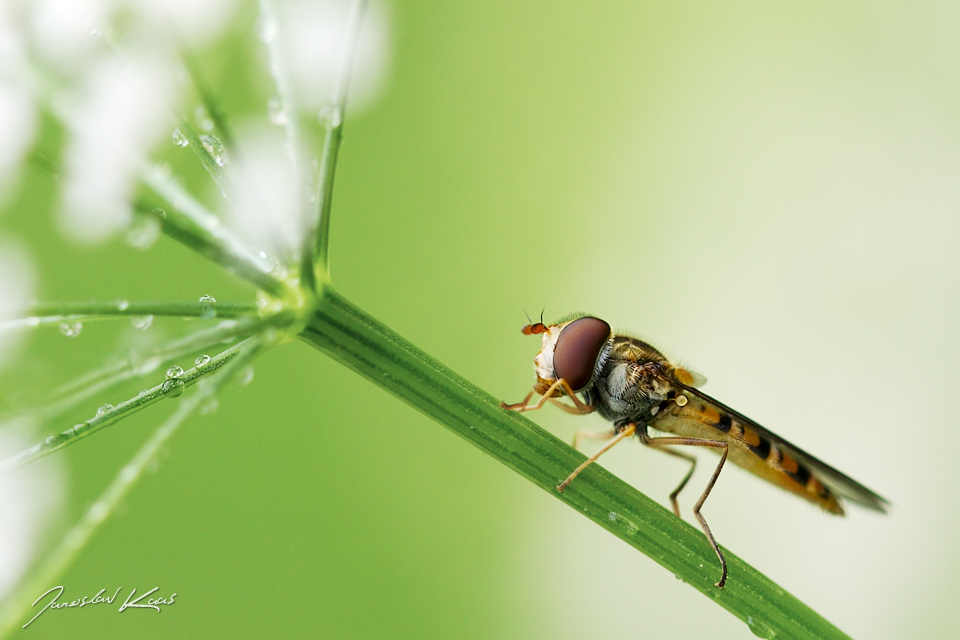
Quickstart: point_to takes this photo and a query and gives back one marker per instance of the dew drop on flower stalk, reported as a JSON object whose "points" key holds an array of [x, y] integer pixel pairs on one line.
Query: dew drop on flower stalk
{"points": [[173, 387], [143, 232], [174, 372], [276, 112], [179, 139], [203, 119], [71, 329], [123, 305], [103, 409], [141, 322], [266, 29], [216, 149], [245, 376], [210, 406], [207, 310], [202, 361]]}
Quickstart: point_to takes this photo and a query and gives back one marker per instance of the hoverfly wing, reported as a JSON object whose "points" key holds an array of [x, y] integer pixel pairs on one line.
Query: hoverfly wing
{"points": [[839, 483]]}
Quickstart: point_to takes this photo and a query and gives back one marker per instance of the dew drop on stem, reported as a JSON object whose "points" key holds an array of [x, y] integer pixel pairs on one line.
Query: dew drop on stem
{"points": [[141, 322], [207, 309], [71, 329], [179, 139], [276, 112], [245, 376], [173, 387], [215, 148]]}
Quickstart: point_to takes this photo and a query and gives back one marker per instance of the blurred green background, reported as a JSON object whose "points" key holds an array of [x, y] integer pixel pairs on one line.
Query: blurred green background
{"points": [[767, 192]]}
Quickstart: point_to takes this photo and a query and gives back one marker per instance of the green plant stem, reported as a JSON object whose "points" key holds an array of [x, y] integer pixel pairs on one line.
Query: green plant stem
{"points": [[189, 223], [54, 313], [80, 534], [112, 415], [353, 338], [333, 121]]}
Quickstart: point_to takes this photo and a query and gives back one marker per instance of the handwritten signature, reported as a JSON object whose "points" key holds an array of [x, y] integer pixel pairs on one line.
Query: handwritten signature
{"points": [[129, 603]]}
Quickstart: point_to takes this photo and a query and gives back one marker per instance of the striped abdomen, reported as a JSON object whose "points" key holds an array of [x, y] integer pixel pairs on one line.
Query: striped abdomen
{"points": [[750, 446]]}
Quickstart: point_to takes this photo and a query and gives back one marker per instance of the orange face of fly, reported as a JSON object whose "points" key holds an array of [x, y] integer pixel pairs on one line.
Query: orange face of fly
{"points": [[574, 350]]}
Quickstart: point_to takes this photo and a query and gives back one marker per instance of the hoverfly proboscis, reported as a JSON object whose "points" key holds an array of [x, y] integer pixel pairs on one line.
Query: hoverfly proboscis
{"points": [[635, 387]]}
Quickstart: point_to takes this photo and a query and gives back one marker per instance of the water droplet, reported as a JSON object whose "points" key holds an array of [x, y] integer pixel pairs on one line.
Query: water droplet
{"points": [[202, 118], [80, 428], [54, 441], [202, 361], [160, 213], [143, 232], [276, 112], [266, 29], [207, 309], [330, 116], [123, 305], [141, 322], [613, 516], [174, 372], [179, 139], [677, 576], [215, 148], [173, 387], [759, 629], [245, 376], [71, 329], [103, 409], [210, 406]]}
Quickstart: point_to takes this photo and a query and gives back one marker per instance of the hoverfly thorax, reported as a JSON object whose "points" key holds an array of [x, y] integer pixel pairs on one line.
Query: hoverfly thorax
{"points": [[575, 350]]}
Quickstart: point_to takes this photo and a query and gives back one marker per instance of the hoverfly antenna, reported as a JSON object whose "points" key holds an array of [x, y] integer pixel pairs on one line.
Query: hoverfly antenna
{"points": [[534, 327]]}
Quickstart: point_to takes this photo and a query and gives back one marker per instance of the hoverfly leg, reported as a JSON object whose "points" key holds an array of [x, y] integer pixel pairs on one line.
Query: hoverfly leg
{"points": [[626, 432], [587, 434], [577, 411], [700, 442], [520, 407], [646, 439]]}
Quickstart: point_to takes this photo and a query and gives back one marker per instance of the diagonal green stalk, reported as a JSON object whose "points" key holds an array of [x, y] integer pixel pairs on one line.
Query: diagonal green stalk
{"points": [[189, 223], [81, 533], [110, 415], [353, 338]]}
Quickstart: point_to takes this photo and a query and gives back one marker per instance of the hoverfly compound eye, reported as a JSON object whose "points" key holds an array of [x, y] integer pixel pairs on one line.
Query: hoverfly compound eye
{"points": [[578, 350]]}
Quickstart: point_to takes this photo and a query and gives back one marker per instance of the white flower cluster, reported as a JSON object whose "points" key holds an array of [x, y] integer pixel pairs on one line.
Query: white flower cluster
{"points": [[118, 91]]}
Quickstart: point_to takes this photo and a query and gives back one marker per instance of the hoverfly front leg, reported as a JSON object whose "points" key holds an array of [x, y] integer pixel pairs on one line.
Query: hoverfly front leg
{"points": [[697, 442], [520, 407], [627, 431]]}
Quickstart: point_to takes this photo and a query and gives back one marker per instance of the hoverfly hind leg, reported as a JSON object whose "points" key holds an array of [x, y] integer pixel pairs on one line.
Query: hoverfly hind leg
{"points": [[700, 442]]}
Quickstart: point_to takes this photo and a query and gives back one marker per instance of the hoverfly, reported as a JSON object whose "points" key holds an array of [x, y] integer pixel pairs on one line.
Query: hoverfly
{"points": [[635, 387]]}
